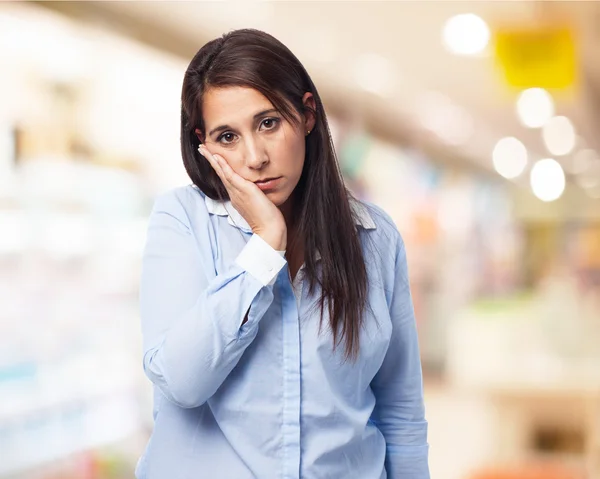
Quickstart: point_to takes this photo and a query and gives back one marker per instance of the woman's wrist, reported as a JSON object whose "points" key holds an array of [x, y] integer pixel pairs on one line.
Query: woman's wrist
{"points": [[275, 239]]}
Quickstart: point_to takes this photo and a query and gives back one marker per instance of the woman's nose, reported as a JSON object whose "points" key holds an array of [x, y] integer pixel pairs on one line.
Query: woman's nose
{"points": [[255, 155]]}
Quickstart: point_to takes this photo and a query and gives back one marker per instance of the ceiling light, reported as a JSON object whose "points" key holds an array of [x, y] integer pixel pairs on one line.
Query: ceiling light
{"points": [[547, 179], [559, 135], [465, 34], [535, 107], [509, 157], [582, 160], [590, 177]]}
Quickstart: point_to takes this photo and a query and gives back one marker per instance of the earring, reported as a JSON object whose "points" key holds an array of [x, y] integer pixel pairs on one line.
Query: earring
{"points": [[308, 132]]}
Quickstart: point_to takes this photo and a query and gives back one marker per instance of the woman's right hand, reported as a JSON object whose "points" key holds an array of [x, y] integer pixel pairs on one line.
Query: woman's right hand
{"points": [[265, 219]]}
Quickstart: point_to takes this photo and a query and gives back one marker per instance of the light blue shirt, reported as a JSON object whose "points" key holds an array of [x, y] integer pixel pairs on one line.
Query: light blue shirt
{"points": [[271, 398]]}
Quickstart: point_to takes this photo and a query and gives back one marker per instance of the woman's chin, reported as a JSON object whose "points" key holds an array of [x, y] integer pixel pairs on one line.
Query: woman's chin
{"points": [[277, 198]]}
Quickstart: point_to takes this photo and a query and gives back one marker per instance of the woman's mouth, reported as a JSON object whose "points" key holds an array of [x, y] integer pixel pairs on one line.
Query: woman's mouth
{"points": [[268, 183]]}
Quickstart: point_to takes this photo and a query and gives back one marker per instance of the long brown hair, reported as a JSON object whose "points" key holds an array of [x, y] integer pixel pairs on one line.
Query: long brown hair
{"points": [[254, 59]]}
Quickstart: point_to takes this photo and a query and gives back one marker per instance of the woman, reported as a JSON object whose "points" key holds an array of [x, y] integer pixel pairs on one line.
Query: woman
{"points": [[278, 326]]}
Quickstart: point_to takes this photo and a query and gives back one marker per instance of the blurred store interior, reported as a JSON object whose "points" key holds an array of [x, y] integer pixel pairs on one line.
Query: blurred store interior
{"points": [[474, 124]]}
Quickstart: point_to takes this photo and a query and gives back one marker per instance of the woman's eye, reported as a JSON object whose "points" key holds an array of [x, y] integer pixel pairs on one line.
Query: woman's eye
{"points": [[226, 138], [269, 123]]}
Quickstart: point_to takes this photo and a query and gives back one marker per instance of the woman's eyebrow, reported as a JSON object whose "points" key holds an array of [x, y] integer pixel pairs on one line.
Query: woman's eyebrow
{"points": [[265, 112], [256, 116]]}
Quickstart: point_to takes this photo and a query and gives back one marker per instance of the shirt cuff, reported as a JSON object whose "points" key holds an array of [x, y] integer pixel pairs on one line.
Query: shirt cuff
{"points": [[260, 260]]}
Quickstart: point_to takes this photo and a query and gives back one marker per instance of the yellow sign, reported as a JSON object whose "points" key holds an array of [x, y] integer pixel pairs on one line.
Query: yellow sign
{"points": [[537, 57]]}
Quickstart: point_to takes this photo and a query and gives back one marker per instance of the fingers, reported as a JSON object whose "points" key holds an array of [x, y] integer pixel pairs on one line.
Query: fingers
{"points": [[229, 177], [213, 162]]}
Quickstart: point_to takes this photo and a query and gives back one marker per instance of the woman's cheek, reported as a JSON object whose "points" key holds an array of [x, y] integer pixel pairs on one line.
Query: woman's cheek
{"points": [[233, 160]]}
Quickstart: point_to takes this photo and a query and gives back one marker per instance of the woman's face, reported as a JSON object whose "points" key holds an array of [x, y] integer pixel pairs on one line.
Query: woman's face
{"points": [[243, 127]]}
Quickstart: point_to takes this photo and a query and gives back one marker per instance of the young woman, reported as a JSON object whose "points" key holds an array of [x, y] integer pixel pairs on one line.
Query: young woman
{"points": [[277, 320]]}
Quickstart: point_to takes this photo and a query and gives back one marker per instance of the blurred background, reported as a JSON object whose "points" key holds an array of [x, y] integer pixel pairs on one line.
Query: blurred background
{"points": [[474, 124]]}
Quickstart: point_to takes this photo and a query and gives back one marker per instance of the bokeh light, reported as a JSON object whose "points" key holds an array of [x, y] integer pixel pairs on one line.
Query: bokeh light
{"points": [[547, 179], [509, 157], [535, 107], [465, 34]]}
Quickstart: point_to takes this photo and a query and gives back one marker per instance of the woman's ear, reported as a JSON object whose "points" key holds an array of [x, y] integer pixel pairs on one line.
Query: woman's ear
{"points": [[199, 135], [310, 111]]}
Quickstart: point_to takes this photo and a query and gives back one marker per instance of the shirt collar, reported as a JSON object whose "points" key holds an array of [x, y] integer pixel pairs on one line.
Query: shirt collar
{"points": [[225, 208]]}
